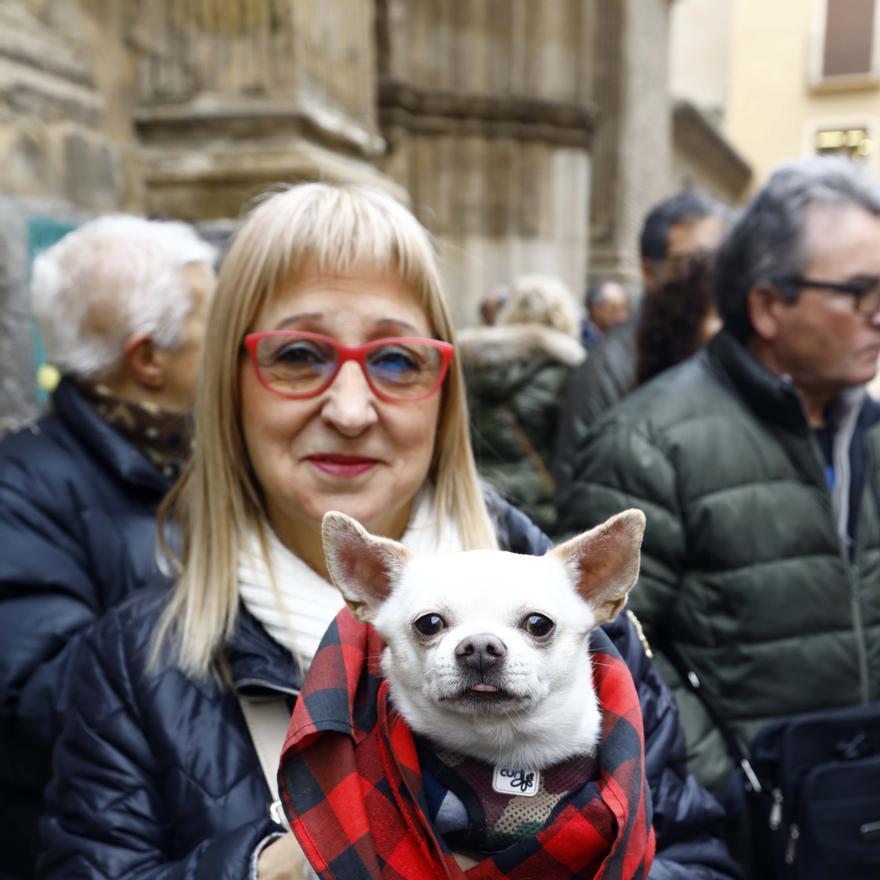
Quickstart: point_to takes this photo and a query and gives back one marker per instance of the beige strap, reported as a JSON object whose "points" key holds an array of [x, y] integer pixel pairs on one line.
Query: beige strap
{"points": [[267, 720]]}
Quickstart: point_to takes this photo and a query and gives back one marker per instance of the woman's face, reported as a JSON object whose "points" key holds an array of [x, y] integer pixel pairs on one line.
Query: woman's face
{"points": [[345, 449]]}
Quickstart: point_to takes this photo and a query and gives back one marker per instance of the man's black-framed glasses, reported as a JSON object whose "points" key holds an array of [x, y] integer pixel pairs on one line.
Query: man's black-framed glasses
{"points": [[865, 292]]}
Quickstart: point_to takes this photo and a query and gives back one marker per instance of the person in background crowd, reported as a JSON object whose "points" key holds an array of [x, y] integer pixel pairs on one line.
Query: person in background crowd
{"points": [[754, 462], [607, 305], [515, 372], [492, 303], [686, 226], [121, 303], [328, 383], [677, 321]]}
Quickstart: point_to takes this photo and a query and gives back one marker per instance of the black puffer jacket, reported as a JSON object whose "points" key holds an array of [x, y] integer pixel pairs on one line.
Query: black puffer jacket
{"points": [[156, 776], [604, 378], [77, 535]]}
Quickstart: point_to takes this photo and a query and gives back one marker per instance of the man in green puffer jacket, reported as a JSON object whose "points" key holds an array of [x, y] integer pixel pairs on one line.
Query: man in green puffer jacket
{"points": [[756, 462]]}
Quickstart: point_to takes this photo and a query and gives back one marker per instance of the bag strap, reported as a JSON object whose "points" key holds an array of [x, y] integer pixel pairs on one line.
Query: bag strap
{"points": [[532, 453], [267, 720], [692, 681]]}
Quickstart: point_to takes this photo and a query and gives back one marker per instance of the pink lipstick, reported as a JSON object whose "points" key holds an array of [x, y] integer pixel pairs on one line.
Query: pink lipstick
{"points": [[342, 465]]}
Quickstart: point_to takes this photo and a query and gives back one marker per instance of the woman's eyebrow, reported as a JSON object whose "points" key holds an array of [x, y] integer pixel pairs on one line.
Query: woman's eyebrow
{"points": [[300, 316], [398, 324], [384, 325]]}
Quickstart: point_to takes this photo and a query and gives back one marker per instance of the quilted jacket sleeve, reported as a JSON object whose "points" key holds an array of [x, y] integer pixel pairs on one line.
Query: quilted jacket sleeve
{"points": [[687, 818], [47, 598], [105, 813], [619, 466]]}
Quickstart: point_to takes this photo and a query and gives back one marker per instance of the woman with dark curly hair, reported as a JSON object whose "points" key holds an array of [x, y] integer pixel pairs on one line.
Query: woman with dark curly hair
{"points": [[677, 320]]}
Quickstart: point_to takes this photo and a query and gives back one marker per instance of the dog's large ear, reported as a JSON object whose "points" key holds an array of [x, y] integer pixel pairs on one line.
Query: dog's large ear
{"points": [[363, 567], [604, 562]]}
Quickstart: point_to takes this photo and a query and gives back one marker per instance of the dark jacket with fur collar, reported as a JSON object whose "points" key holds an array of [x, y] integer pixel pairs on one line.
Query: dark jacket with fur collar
{"points": [[515, 375], [156, 776]]}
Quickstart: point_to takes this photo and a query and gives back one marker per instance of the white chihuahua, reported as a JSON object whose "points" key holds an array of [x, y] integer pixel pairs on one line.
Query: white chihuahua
{"points": [[487, 651]]}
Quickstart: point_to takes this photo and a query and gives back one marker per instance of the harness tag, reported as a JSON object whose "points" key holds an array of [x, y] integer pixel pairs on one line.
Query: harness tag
{"points": [[516, 780]]}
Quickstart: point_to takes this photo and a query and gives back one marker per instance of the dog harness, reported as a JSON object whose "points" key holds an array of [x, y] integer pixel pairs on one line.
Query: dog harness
{"points": [[352, 786], [467, 808]]}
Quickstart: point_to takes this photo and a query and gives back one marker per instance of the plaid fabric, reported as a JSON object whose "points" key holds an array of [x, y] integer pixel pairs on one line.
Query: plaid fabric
{"points": [[351, 783]]}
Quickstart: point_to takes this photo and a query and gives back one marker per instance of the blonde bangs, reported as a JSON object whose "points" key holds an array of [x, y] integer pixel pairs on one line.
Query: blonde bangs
{"points": [[340, 230]]}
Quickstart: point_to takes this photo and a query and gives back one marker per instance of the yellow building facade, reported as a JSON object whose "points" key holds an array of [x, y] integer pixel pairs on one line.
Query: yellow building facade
{"points": [[803, 78]]}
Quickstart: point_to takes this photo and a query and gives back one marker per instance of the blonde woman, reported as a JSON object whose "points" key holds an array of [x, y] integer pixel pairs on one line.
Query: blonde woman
{"points": [[328, 382]]}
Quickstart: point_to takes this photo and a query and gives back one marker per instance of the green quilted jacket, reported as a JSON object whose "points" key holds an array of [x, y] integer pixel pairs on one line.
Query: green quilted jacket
{"points": [[744, 573], [515, 376]]}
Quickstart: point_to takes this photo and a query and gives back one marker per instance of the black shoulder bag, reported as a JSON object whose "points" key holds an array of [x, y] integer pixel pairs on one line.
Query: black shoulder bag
{"points": [[813, 786]]}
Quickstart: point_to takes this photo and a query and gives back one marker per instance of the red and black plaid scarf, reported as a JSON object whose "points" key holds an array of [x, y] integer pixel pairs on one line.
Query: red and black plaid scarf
{"points": [[351, 784]]}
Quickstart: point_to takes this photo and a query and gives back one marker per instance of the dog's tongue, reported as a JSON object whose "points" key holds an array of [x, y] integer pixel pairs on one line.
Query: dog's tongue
{"points": [[484, 688]]}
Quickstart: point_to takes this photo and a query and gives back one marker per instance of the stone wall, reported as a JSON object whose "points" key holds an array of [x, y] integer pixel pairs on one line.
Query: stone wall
{"points": [[487, 110], [704, 158], [234, 96], [52, 116]]}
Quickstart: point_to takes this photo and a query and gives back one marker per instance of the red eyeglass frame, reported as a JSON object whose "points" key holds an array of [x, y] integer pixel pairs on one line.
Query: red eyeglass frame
{"points": [[346, 353]]}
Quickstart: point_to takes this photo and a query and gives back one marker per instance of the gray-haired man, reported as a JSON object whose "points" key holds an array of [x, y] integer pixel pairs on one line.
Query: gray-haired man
{"points": [[122, 304], [757, 463]]}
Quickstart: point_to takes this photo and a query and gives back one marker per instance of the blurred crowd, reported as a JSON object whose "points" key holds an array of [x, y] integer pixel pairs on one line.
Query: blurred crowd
{"points": [[160, 553]]}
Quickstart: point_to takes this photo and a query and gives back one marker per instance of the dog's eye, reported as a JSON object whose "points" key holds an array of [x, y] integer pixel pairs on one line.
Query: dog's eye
{"points": [[429, 624], [538, 626]]}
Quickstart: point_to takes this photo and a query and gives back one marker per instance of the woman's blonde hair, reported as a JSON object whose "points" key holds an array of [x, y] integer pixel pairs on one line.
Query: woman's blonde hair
{"points": [[337, 229]]}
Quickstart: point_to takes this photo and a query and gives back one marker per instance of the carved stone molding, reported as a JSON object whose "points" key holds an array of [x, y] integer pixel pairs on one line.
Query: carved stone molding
{"points": [[492, 116], [244, 119], [701, 145], [219, 180]]}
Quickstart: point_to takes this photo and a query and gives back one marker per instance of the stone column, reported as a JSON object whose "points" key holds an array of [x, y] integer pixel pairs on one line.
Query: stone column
{"points": [[486, 106], [632, 162], [17, 389]]}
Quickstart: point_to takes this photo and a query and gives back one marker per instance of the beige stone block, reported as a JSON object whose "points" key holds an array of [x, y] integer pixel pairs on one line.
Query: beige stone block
{"points": [[91, 174], [219, 180], [25, 158]]}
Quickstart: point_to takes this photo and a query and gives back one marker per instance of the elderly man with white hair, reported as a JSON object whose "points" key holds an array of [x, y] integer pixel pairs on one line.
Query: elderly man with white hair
{"points": [[121, 303]]}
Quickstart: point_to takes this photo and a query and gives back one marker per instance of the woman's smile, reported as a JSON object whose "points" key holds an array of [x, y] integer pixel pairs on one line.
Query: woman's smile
{"points": [[344, 466]]}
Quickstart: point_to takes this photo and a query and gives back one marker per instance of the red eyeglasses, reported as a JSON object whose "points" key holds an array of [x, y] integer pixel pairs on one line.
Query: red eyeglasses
{"points": [[297, 364]]}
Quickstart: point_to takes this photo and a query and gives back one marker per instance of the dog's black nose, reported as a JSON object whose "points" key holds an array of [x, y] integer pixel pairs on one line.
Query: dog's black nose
{"points": [[480, 651]]}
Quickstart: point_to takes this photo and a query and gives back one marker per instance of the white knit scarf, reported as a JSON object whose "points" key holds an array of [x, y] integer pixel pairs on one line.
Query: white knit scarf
{"points": [[308, 603]]}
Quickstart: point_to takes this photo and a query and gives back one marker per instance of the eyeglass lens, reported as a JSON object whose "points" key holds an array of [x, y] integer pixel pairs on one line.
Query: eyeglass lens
{"points": [[868, 301], [303, 366]]}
